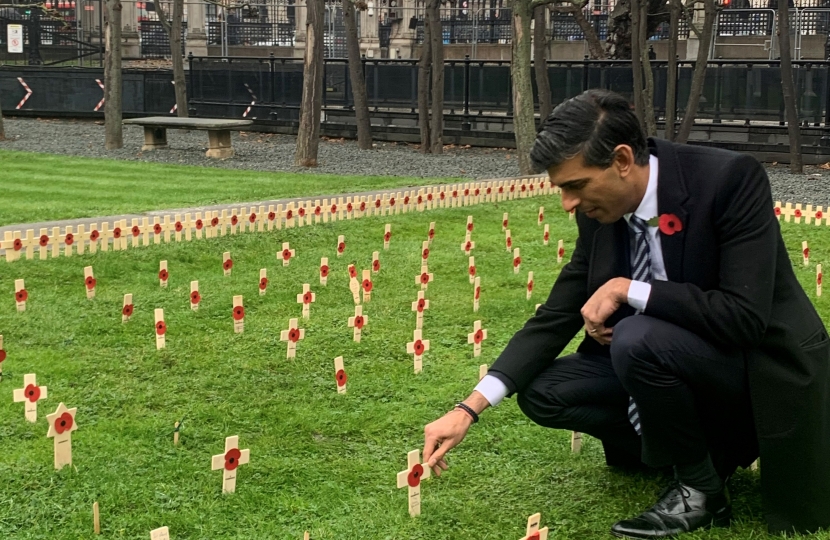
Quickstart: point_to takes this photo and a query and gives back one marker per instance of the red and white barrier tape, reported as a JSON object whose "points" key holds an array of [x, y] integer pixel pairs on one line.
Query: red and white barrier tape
{"points": [[253, 101], [100, 103], [28, 92], [175, 106]]}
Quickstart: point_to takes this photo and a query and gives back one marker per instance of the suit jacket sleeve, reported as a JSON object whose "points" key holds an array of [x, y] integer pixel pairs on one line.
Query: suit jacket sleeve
{"points": [[737, 311], [556, 322]]}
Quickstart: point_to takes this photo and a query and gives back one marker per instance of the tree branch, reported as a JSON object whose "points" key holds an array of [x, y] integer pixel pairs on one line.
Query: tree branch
{"points": [[165, 22]]}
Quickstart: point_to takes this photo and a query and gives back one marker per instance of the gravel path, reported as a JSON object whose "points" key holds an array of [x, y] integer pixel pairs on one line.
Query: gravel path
{"points": [[271, 152]]}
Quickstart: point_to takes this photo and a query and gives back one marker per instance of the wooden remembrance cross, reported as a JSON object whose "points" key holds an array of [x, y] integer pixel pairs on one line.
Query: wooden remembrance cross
{"points": [[31, 393], [533, 530], [61, 425], [417, 347], [357, 322], [229, 461], [292, 336], [411, 478]]}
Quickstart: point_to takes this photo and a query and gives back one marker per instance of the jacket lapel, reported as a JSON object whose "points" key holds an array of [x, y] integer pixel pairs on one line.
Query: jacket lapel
{"points": [[671, 199]]}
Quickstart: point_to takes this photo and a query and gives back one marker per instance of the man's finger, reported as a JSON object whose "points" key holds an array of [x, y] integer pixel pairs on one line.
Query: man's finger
{"points": [[430, 444], [438, 455]]}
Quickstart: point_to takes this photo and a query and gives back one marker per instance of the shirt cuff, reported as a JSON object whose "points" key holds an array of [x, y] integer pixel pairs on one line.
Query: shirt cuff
{"points": [[493, 389], [638, 293]]}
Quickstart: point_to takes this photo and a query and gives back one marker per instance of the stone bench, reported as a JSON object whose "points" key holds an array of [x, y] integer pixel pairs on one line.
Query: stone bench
{"points": [[219, 132]]}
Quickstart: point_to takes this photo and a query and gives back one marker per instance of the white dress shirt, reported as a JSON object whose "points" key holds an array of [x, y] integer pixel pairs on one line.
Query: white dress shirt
{"points": [[494, 390]]}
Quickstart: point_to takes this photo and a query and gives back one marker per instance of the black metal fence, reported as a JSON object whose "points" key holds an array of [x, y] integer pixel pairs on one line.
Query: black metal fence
{"points": [[154, 41], [467, 26], [733, 90], [746, 92]]}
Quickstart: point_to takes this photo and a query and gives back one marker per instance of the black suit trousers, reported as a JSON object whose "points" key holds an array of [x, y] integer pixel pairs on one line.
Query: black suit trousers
{"points": [[692, 397]]}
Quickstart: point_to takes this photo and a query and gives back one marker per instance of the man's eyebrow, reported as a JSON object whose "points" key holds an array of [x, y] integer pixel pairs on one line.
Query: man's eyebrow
{"points": [[568, 183]]}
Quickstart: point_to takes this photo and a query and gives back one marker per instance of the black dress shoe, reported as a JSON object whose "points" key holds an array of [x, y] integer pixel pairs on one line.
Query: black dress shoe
{"points": [[679, 509]]}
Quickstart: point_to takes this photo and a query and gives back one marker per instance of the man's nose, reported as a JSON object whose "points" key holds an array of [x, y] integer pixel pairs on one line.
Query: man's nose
{"points": [[569, 202]]}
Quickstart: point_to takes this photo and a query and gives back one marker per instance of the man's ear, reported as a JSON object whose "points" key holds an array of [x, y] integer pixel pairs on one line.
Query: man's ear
{"points": [[623, 159]]}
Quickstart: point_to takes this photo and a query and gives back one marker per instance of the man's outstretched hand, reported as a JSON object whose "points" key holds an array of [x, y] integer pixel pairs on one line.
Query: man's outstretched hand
{"points": [[449, 430]]}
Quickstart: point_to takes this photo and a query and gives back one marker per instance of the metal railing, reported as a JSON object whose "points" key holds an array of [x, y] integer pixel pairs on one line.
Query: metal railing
{"points": [[736, 91]]}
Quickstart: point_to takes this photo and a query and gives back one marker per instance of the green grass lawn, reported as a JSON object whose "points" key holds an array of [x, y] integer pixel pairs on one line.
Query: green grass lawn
{"points": [[46, 187], [320, 461]]}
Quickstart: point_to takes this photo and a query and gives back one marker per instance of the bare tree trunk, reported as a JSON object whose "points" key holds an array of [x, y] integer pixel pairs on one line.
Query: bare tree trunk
{"points": [[671, 75], [113, 130], [595, 49], [540, 60], [637, 60], [648, 76], [619, 42], [174, 34], [437, 47], [308, 135], [788, 87], [699, 75], [423, 89], [357, 78], [2, 127], [524, 127]]}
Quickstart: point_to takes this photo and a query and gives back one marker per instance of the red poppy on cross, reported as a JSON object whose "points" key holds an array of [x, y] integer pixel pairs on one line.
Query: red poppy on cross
{"points": [[418, 306], [517, 261], [340, 375], [263, 281], [89, 282], [292, 336], [286, 254], [227, 263], [357, 322], [163, 274], [341, 245], [20, 294], [127, 309], [30, 394], [306, 298], [411, 478], [417, 347], [476, 337], [161, 328], [424, 277], [529, 284], [471, 269], [195, 297], [228, 462], [467, 244], [61, 425], [324, 270], [533, 530], [367, 286], [238, 315]]}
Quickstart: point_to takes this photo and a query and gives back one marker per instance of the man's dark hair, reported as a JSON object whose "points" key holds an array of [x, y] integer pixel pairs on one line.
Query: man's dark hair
{"points": [[593, 124]]}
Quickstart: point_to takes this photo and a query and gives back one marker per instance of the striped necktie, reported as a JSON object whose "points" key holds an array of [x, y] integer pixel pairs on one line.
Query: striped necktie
{"points": [[640, 271]]}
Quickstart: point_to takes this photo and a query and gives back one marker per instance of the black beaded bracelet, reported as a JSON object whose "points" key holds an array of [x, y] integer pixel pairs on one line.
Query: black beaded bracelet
{"points": [[469, 410]]}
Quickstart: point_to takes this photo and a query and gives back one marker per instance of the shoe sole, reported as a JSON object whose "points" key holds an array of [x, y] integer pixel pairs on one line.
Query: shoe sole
{"points": [[723, 521]]}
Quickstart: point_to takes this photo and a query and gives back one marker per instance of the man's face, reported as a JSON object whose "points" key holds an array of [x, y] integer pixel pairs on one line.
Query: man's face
{"points": [[602, 194]]}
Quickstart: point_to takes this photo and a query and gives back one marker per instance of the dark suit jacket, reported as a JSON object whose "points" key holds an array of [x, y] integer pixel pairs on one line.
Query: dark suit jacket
{"points": [[731, 282]]}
